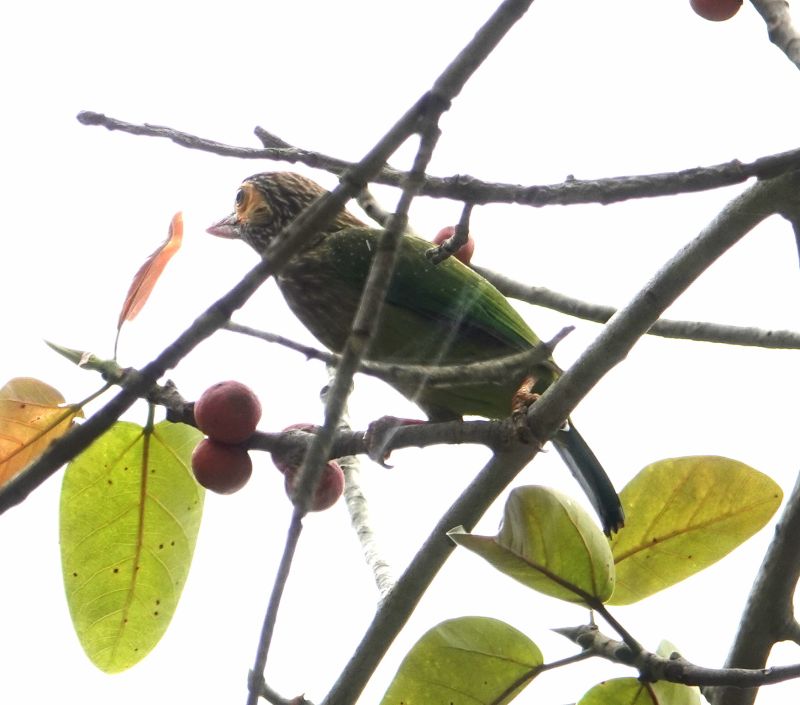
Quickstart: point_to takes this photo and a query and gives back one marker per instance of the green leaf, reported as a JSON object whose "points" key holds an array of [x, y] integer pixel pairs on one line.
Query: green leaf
{"points": [[631, 691], [548, 543], [674, 693], [130, 513], [682, 515], [618, 691], [466, 661]]}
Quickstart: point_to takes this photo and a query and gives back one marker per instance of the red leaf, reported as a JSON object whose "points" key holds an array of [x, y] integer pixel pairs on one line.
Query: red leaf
{"points": [[148, 274]]}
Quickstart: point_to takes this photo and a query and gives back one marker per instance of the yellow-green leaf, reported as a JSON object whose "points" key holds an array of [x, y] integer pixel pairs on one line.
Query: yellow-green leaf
{"points": [[548, 543], [130, 513], [31, 417], [682, 515], [631, 691], [675, 693], [465, 661]]}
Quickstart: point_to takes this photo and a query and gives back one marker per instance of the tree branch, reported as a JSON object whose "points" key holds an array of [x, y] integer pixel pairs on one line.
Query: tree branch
{"points": [[768, 616], [620, 334], [358, 509], [465, 188], [780, 29], [675, 669], [549, 412], [412, 584], [256, 680], [700, 331], [495, 370], [284, 246]]}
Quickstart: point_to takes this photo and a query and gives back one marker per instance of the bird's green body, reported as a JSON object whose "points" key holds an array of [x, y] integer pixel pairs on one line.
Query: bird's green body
{"points": [[434, 314]]}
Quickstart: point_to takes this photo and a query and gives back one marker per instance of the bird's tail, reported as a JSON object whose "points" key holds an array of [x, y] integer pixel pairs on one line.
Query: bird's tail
{"points": [[587, 470]]}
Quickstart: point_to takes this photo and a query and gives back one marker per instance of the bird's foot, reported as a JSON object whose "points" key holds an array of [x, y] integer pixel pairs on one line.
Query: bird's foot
{"points": [[379, 434], [523, 398]]}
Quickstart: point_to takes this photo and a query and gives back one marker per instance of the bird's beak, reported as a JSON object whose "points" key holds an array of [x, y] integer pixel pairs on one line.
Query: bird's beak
{"points": [[227, 228]]}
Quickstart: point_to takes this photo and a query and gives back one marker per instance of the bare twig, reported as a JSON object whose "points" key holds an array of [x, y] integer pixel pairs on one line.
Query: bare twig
{"points": [[492, 434], [664, 327], [372, 208], [780, 28], [310, 353], [675, 669], [256, 681], [358, 508], [470, 190], [275, 698], [495, 435], [456, 241], [494, 370], [620, 334], [360, 518]]}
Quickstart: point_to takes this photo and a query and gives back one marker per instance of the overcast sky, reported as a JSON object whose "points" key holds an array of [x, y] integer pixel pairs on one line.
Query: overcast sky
{"points": [[578, 87]]}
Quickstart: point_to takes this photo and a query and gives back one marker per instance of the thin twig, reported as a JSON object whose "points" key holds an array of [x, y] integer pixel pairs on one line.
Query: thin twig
{"points": [[701, 331], [495, 370], [495, 435], [468, 189], [628, 638], [272, 696], [675, 669], [619, 335], [456, 241], [358, 508], [360, 518], [372, 208], [256, 680]]}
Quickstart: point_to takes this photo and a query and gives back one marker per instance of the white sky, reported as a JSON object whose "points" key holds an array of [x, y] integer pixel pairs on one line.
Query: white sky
{"points": [[579, 87]]}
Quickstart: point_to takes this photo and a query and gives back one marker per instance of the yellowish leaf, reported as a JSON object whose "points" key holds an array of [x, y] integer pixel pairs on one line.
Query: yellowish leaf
{"points": [[682, 515], [31, 417]]}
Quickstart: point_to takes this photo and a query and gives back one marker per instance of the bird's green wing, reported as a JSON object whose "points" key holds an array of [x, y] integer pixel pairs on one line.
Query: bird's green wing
{"points": [[446, 304]]}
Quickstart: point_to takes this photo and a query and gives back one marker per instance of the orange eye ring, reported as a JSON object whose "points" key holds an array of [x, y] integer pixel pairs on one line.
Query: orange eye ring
{"points": [[250, 204]]}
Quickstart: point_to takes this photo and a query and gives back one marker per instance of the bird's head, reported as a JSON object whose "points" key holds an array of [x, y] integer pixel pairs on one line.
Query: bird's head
{"points": [[266, 203]]}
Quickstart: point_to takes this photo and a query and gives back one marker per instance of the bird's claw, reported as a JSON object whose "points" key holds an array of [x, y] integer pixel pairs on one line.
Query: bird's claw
{"points": [[379, 434], [523, 398]]}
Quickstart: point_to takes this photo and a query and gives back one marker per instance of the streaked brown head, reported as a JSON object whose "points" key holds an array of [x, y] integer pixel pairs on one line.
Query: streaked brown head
{"points": [[266, 203]]}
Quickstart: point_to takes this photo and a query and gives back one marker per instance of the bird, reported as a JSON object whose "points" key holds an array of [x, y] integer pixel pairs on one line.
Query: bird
{"points": [[434, 314]]}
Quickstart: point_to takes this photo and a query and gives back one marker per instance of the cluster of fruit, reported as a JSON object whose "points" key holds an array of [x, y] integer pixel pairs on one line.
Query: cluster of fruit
{"points": [[228, 413]]}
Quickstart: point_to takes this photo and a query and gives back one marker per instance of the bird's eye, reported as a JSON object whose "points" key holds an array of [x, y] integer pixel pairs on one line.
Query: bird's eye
{"points": [[240, 197]]}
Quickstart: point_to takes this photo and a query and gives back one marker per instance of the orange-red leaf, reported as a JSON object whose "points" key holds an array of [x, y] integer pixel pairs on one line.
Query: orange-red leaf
{"points": [[30, 419], [148, 274]]}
